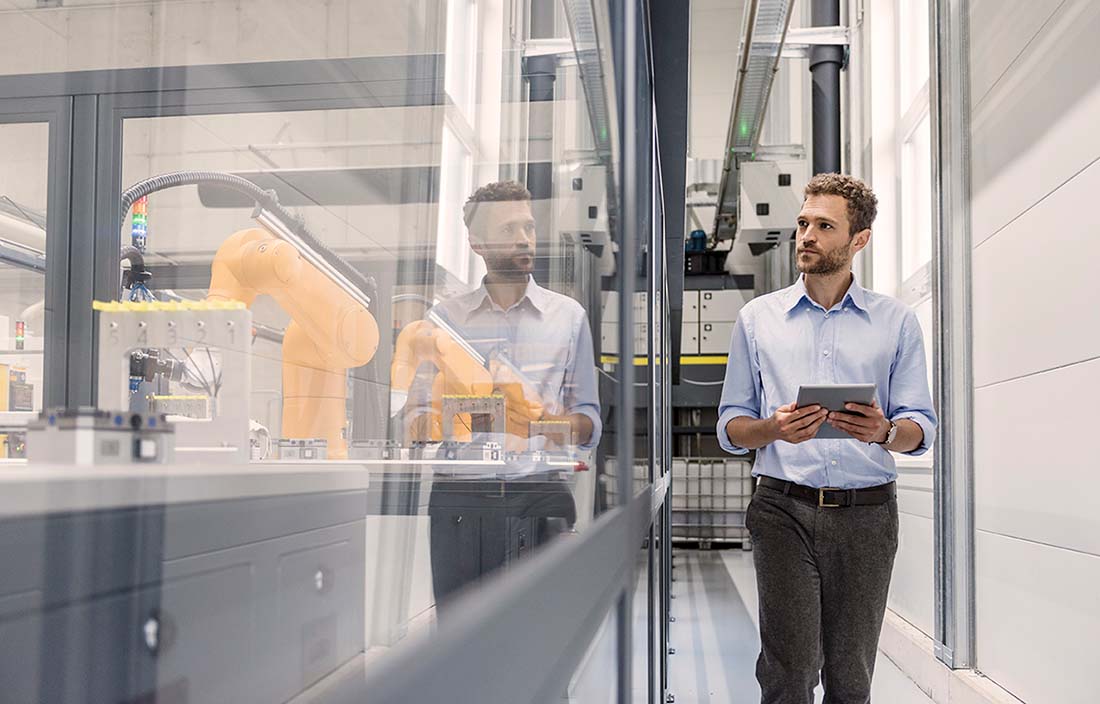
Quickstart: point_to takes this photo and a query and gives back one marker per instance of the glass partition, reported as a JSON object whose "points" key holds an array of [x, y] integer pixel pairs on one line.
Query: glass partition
{"points": [[24, 182], [355, 347]]}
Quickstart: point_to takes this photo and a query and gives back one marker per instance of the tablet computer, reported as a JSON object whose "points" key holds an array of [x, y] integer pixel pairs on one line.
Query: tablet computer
{"points": [[832, 397]]}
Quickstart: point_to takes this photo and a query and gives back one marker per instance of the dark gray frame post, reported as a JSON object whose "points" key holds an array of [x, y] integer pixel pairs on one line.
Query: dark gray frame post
{"points": [[626, 72], [949, 85]]}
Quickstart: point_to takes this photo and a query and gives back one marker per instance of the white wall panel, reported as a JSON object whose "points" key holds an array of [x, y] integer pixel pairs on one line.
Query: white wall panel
{"points": [[32, 44], [1028, 452], [713, 70], [1036, 287], [911, 594], [1038, 618], [1001, 29], [710, 114], [103, 34], [716, 29], [1037, 127]]}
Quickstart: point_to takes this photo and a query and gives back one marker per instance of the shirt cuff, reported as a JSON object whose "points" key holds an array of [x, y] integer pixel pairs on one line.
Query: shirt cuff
{"points": [[724, 438], [926, 426], [597, 426]]}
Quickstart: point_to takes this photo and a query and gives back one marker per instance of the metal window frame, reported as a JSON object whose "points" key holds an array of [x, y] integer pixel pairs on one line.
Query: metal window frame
{"points": [[954, 384]]}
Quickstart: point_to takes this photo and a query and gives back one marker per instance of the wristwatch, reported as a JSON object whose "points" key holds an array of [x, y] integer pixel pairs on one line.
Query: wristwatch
{"points": [[890, 434]]}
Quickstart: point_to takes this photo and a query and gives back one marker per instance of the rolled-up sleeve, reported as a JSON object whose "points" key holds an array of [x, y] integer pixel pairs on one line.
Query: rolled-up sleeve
{"points": [[741, 388], [581, 390], [910, 397]]}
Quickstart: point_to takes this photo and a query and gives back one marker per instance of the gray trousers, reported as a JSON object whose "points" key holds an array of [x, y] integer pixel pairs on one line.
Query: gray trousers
{"points": [[823, 576]]}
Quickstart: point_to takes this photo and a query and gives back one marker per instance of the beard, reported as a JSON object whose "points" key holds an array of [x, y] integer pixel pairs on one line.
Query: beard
{"points": [[511, 267], [827, 263]]}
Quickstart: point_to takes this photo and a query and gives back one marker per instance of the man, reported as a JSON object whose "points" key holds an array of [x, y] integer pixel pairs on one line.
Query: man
{"points": [[823, 519], [536, 341]]}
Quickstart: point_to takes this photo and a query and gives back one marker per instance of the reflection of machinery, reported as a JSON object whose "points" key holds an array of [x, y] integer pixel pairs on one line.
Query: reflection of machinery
{"points": [[331, 328], [85, 436], [329, 333], [471, 397], [461, 372]]}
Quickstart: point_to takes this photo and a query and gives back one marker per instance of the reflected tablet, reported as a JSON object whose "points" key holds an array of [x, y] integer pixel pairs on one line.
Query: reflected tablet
{"points": [[832, 397]]}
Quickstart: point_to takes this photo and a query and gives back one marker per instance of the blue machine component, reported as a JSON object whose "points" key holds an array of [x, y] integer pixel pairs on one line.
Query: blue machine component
{"points": [[697, 242]]}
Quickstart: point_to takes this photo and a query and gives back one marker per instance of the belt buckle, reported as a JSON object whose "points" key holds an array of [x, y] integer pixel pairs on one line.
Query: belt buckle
{"points": [[821, 498]]}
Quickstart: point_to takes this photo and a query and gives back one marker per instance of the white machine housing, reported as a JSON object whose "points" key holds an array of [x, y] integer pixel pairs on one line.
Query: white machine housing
{"points": [[771, 198], [582, 213], [223, 327]]}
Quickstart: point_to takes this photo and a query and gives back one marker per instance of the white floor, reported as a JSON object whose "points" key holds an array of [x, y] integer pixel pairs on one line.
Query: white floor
{"points": [[716, 635]]}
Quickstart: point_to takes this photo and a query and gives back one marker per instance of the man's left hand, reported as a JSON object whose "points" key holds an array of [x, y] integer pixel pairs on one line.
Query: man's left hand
{"points": [[866, 423]]}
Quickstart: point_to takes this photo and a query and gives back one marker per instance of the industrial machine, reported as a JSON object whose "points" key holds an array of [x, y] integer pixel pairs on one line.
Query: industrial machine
{"points": [[770, 200], [87, 436], [182, 333], [171, 350], [331, 328]]}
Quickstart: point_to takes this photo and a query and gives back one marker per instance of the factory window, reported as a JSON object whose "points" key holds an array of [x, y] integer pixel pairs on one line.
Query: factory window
{"points": [[914, 145], [23, 196], [461, 71], [916, 197], [455, 184]]}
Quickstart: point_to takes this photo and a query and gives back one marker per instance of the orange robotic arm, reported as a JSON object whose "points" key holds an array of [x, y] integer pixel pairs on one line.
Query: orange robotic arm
{"points": [[329, 333], [460, 374]]}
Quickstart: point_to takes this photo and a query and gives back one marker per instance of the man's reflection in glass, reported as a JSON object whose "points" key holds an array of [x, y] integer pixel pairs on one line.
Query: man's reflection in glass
{"points": [[536, 350]]}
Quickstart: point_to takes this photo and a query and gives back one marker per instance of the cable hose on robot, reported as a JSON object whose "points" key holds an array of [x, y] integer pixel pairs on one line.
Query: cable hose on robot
{"points": [[268, 200]]}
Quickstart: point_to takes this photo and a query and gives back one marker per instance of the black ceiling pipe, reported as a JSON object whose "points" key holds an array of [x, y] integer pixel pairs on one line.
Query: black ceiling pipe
{"points": [[825, 64]]}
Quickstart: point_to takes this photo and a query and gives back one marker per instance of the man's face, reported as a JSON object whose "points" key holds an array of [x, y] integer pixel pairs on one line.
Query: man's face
{"points": [[824, 243], [506, 238]]}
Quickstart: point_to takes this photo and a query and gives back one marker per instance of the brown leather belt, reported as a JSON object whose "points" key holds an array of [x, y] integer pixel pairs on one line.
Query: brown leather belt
{"points": [[831, 498]]}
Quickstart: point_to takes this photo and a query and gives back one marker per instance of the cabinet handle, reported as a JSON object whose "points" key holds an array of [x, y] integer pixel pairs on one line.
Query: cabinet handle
{"points": [[322, 580], [150, 631], [157, 633]]}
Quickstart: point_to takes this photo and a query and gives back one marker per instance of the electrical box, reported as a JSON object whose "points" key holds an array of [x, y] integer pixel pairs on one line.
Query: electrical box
{"points": [[689, 337], [722, 306], [771, 198], [609, 306], [714, 338], [609, 338], [582, 211], [641, 339], [691, 306]]}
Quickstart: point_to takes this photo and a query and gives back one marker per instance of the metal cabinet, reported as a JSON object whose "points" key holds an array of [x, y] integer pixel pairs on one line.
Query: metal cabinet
{"points": [[242, 600]]}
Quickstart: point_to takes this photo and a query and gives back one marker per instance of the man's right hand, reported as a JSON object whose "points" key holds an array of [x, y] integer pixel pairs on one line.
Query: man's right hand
{"points": [[797, 425]]}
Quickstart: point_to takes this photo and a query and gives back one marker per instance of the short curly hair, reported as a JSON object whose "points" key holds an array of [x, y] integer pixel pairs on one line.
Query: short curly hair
{"points": [[492, 193], [862, 203]]}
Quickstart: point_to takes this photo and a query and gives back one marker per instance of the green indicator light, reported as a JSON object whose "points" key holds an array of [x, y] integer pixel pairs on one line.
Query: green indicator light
{"points": [[744, 129], [603, 133]]}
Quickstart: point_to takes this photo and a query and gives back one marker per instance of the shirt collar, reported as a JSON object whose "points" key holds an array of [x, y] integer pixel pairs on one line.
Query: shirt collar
{"points": [[856, 294], [534, 295]]}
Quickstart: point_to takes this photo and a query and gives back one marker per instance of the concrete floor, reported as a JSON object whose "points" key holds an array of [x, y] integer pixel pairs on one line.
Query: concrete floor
{"points": [[716, 635]]}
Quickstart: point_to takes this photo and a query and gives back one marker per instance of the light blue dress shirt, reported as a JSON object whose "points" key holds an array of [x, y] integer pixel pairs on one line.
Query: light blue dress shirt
{"points": [[545, 335], [784, 340]]}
